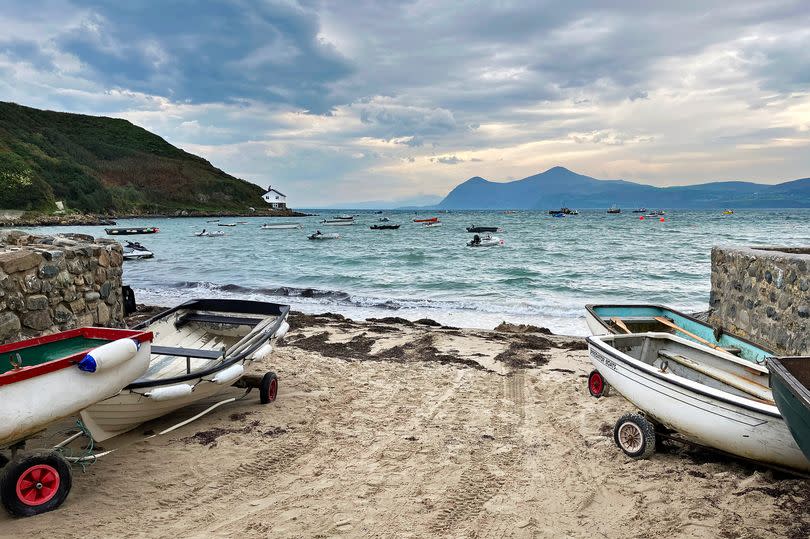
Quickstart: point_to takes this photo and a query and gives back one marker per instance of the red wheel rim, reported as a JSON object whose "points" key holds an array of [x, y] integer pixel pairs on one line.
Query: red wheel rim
{"points": [[596, 383], [273, 390], [38, 484]]}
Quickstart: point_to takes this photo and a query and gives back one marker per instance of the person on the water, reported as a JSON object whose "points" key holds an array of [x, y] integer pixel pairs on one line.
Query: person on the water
{"points": [[476, 239]]}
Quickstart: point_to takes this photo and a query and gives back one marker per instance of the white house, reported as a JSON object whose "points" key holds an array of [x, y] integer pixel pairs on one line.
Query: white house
{"points": [[276, 199]]}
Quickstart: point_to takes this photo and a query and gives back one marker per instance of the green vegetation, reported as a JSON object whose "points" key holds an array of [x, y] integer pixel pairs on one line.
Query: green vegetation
{"points": [[100, 165]]}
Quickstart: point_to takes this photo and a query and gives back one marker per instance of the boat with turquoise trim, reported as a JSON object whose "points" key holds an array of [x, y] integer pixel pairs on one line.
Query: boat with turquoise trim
{"points": [[790, 384], [640, 318]]}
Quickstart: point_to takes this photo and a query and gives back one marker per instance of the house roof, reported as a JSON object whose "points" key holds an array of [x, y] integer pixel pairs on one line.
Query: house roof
{"points": [[275, 191]]}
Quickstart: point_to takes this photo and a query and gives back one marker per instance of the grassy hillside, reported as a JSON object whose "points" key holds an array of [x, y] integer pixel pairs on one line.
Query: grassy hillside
{"points": [[97, 164]]}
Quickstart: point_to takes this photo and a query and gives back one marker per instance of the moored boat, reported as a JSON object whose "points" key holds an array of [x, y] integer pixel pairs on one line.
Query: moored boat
{"points": [[480, 229], [728, 212], [226, 224], [486, 241], [200, 349], [128, 231], [696, 394], [426, 220], [432, 224], [133, 250], [321, 236], [338, 222], [209, 234], [790, 383], [384, 227], [280, 226], [639, 318], [614, 209]]}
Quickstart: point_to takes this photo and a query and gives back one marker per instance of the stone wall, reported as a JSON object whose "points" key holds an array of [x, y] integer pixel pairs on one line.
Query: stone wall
{"points": [[763, 293], [54, 283]]}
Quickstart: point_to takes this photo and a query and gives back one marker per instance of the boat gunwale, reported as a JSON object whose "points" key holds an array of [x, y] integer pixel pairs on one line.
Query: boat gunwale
{"points": [[591, 306], [32, 371], [796, 388], [221, 305], [701, 389]]}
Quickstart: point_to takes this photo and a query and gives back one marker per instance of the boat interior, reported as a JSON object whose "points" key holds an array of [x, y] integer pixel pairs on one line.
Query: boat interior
{"points": [[717, 370], [799, 367], [186, 341]]}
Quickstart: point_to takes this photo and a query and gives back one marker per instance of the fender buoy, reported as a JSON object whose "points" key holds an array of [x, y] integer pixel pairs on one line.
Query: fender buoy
{"points": [[170, 392], [110, 355], [229, 375]]}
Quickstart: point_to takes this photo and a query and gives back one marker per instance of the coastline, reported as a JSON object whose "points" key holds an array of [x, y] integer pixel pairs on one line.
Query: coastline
{"points": [[36, 219], [392, 428]]}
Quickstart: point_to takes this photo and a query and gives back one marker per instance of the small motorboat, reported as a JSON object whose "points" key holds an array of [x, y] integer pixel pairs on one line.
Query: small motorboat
{"points": [[209, 233], [480, 229], [385, 220], [790, 384], [213, 221], [728, 212], [226, 224], [614, 209], [280, 226], [486, 241], [432, 224], [378, 212], [345, 217], [321, 236], [558, 215], [200, 349], [128, 231], [640, 210], [426, 220], [46, 379], [384, 227], [564, 210], [695, 394], [338, 222], [640, 318], [133, 250]]}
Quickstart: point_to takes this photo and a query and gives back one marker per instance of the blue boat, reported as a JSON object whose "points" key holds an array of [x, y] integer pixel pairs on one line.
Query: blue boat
{"points": [[641, 318], [790, 383]]}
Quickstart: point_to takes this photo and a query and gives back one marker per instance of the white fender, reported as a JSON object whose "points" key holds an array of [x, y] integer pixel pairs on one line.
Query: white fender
{"points": [[110, 355], [282, 330], [265, 350], [229, 375], [170, 392]]}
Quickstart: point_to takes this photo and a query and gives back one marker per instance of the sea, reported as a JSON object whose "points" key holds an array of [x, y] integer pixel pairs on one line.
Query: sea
{"points": [[544, 274]]}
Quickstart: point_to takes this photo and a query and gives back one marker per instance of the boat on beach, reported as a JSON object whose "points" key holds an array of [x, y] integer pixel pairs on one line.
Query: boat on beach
{"points": [[133, 250], [49, 378], [200, 349], [384, 227], [481, 229], [128, 231], [608, 319], [280, 226], [790, 384], [696, 394], [321, 236]]}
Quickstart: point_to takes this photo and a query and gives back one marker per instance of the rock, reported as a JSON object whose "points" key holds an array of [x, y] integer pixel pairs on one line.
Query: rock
{"points": [[38, 320], [63, 242], [32, 284], [9, 326], [36, 303], [92, 296], [48, 271], [103, 314], [803, 311], [16, 261], [62, 315], [104, 292]]}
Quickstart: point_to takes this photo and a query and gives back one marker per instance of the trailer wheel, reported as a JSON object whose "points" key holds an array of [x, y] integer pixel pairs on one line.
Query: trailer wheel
{"points": [[268, 388], [36, 484], [635, 435], [597, 386]]}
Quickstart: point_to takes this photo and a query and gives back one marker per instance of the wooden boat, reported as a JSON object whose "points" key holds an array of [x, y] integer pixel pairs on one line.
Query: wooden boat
{"points": [[128, 231], [700, 395], [480, 229], [790, 383], [46, 379], [427, 220], [640, 318], [280, 226], [200, 348], [384, 227], [338, 222]]}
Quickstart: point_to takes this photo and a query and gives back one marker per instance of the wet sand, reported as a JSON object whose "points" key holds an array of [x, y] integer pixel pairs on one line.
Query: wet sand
{"points": [[390, 428]]}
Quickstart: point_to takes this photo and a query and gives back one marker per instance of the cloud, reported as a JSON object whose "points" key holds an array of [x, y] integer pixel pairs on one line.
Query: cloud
{"points": [[448, 160]]}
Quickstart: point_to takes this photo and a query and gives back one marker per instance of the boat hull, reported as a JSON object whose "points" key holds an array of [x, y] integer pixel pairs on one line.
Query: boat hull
{"points": [[752, 432], [792, 398], [280, 227], [30, 405], [597, 316]]}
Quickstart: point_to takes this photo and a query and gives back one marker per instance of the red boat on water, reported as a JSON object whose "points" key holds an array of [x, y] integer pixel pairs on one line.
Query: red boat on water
{"points": [[430, 220]]}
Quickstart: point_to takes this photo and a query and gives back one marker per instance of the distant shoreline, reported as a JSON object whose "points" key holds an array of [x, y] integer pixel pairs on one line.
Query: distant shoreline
{"points": [[35, 220]]}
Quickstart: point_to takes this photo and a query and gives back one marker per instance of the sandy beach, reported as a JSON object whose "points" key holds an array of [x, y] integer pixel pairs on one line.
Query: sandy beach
{"points": [[393, 429]]}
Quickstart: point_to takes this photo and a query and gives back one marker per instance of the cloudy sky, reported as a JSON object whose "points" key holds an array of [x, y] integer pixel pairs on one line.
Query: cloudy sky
{"points": [[336, 101]]}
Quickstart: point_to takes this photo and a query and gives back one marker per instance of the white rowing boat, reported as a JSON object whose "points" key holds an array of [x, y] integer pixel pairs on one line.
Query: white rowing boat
{"points": [[708, 397], [280, 226]]}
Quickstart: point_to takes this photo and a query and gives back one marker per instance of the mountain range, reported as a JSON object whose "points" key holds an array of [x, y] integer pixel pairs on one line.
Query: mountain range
{"points": [[100, 165], [559, 186]]}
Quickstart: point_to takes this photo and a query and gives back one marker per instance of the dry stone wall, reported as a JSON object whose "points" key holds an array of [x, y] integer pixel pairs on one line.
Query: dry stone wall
{"points": [[763, 293], [54, 283]]}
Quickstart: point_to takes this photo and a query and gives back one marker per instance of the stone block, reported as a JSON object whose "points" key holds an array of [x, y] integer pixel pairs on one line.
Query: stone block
{"points": [[62, 315], [49, 271], [16, 261], [38, 320], [36, 302], [103, 313], [9, 326], [105, 289], [91, 296]]}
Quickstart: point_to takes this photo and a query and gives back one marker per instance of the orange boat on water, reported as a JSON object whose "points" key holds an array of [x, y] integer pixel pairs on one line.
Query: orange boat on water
{"points": [[430, 220]]}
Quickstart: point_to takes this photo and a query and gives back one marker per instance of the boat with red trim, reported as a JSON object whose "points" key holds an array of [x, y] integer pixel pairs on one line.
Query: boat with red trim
{"points": [[427, 220]]}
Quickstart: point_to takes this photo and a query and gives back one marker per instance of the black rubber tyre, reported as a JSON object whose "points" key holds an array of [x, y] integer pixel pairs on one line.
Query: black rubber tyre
{"points": [[635, 435], [36, 484], [268, 388], [597, 386]]}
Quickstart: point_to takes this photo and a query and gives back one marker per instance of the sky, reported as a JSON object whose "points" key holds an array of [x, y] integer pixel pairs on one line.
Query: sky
{"points": [[333, 101]]}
